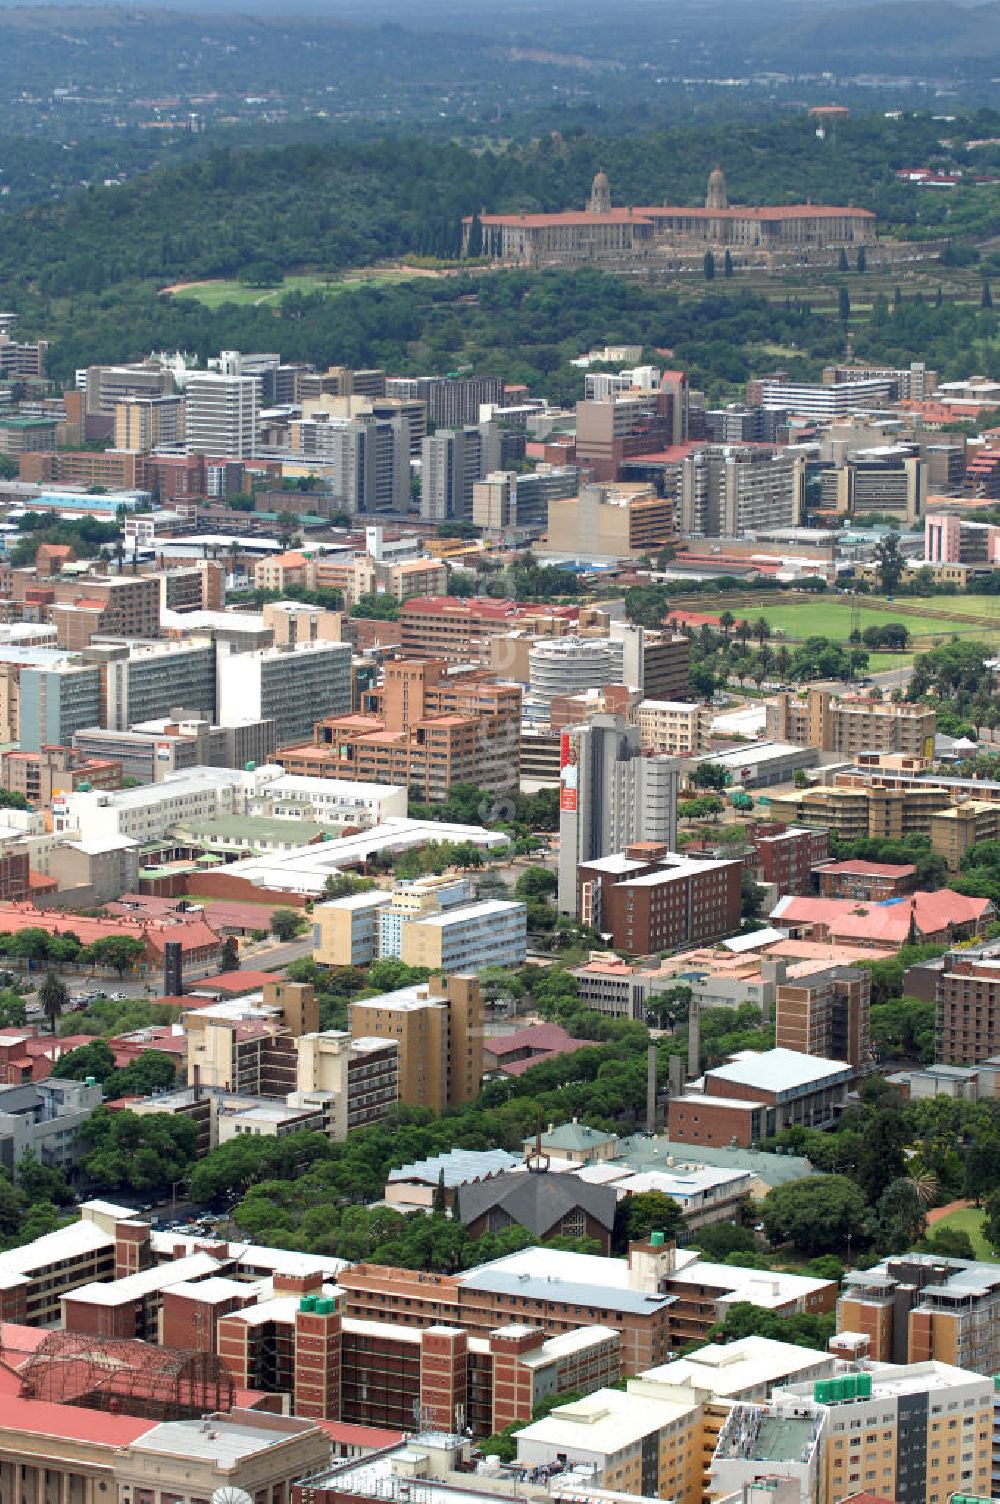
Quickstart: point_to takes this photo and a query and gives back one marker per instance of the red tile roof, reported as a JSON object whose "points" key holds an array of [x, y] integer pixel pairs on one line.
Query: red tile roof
{"points": [[568, 217], [193, 933], [374, 1437], [886, 923], [72, 1422], [233, 983], [870, 869]]}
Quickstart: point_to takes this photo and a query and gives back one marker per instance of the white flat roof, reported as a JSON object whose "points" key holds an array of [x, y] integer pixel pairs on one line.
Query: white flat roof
{"points": [[119, 1292], [304, 869], [72, 1241], [761, 1287], [603, 1422], [780, 1070], [735, 1367]]}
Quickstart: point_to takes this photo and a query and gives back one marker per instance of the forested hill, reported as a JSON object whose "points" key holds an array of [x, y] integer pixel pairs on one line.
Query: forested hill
{"points": [[337, 205]]}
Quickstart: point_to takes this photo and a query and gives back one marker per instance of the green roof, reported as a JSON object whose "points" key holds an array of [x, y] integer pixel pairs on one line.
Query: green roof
{"points": [[255, 828], [642, 1153], [15, 422], [575, 1136]]}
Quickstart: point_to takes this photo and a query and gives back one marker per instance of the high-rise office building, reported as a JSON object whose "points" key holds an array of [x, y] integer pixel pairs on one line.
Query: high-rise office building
{"points": [[611, 794], [145, 423], [55, 701], [727, 491], [453, 460], [221, 417], [146, 681], [368, 459], [293, 687]]}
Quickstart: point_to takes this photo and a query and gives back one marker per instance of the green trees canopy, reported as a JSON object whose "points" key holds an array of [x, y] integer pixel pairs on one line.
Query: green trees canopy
{"points": [[815, 1215], [124, 1151]]}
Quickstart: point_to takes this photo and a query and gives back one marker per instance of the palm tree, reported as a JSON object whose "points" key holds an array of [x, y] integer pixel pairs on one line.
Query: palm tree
{"points": [[761, 630], [53, 996], [924, 1185], [782, 662], [743, 631], [727, 621]]}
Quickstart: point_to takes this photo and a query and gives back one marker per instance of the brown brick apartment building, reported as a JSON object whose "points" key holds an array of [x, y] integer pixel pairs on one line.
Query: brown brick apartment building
{"points": [[968, 1005], [862, 810], [919, 1307], [462, 631], [869, 882], [377, 1373], [785, 856], [425, 728], [38, 775], [649, 900], [827, 1014]]}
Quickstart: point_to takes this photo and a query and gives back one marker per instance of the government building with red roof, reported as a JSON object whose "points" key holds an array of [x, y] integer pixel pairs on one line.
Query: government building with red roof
{"points": [[603, 233]]}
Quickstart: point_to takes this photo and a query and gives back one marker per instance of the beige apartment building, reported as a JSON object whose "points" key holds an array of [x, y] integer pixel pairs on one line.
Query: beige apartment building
{"points": [[673, 726], [955, 830], [851, 724], [864, 811], [145, 423], [439, 1028], [610, 521]]}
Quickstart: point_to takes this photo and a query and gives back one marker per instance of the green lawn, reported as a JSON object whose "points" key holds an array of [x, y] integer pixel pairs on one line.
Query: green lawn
{"points": [[832, 618], [968, 605], [970, 1220], [214, 294]]}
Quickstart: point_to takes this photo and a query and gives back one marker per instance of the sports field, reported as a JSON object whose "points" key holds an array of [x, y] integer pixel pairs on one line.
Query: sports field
{"points": [[832, 617], [215, 293], [968, 1219]]}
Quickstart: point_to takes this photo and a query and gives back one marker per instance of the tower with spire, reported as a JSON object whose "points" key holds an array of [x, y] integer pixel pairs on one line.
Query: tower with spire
{"points": [[717, 197], [600, 195]]}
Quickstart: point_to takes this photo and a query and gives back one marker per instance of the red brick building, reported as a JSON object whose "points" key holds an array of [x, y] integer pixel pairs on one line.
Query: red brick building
{"points": [[786, 855], [756, 1096], [648, 899], [872, 882]]}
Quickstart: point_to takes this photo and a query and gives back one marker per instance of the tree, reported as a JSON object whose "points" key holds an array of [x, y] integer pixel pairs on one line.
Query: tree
{"points": [[230, 958], [842, 263], [286, 924], [709, 266], [53, 996], [950, 1243], [710, 775], [727, 265], [881, 1157], [843, 305], [987, 298], [42, 1182], [982, 1167], [901, 1217], [147, 1153], [991, 1221], [94, 1059], [862, 259], [440, 1203], [720, 1239], [889, 564], [13, 1011], [535, 882], [746, 1320], [816, 1215], [121, 952], [648, 1212]]}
